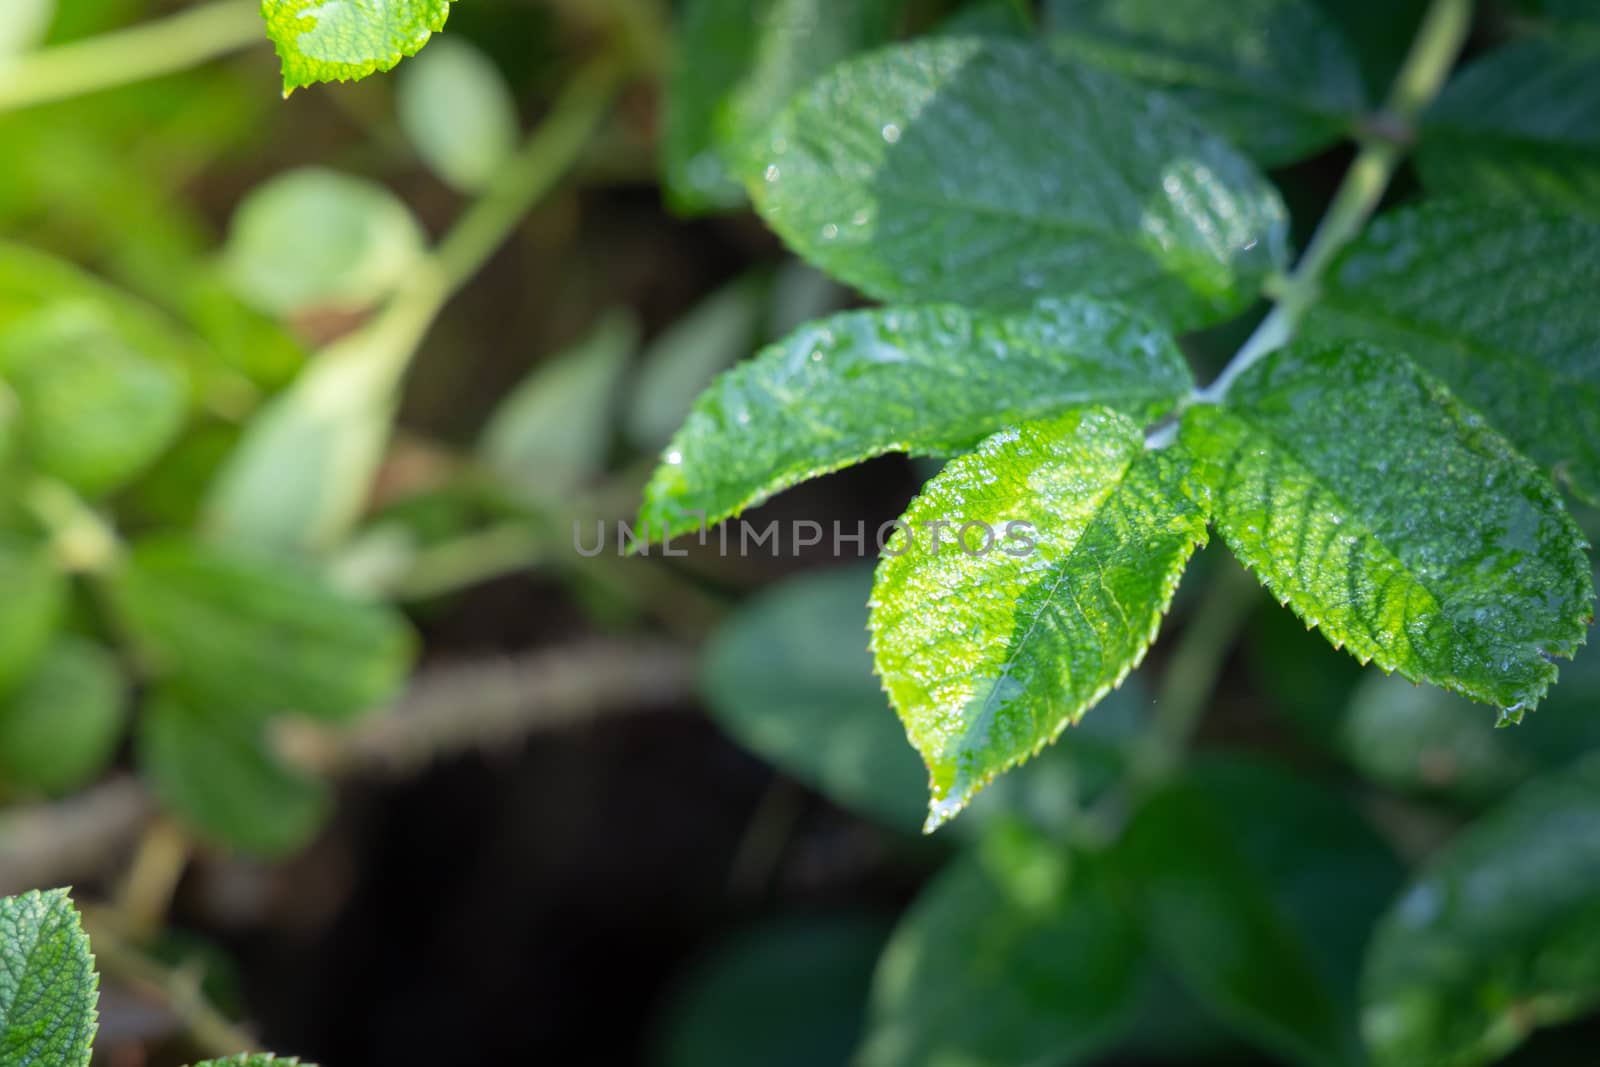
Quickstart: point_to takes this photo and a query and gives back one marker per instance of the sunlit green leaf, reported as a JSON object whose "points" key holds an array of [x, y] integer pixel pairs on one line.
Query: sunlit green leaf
{"points": [[216, 771], [787, 993], [1496, 936], [987, 172], [22, 26], [458, 112], [1498, 303], [94, 409], [61, 726], [929, 381], [252, 636], [315, 238], [1521, 125], [992, 638], [345, 40], [1275, 76], [1018, 953], [48, 988], [738, 62], [553, 431], [1396, 522]]}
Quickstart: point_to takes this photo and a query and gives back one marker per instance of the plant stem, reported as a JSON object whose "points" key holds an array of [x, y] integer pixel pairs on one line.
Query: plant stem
{"points": [[1438, 42], [163, 46]]}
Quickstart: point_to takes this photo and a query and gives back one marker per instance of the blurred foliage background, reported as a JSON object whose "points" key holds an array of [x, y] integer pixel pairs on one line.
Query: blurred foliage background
{"points": [[282, 431]]}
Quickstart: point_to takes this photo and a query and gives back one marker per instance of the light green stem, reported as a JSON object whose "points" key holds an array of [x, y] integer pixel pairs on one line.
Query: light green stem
{"points": [[163, 46], [1433, 53]]}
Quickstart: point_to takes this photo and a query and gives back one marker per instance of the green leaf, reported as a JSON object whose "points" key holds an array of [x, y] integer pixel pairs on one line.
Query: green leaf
{"points": [[58, 730], [1496, 935], [1019, 952], [989, 655], [303, 470], [789, 676], [1422, 740], [788, 993], [346, 40], [33, 603], [255, 1059], [929, 381], [553, 432], [1275, 76], [48, 988], [738, 62], [1212, 913], [1393, 520], [687, 357], [1521, 125], [315, 238], [459, 114], [95, 409], [999, 18], [258, 636], [986, 172], [216, 771], [1432, 282]]}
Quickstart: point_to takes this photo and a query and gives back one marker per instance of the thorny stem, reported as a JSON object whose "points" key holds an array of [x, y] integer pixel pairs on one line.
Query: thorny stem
{"points": [[163, 46], [1434, 51]]}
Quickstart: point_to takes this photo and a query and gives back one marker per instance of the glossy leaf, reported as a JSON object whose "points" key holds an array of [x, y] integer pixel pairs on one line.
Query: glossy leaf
{"points": [[1395, 522], [458, 113], [738, 62], [687, 357], [33, 603], [1212, 913], [787, 993], [991, 644], [48, 988], [1019, 952], [346, 40], [95, 409], [988, 173], [1521, 125], [62, 725], [929, 381], [789, 676], [251, 635], [553, 432], [315, 238], [1495, 936], [1275, 76], [216, 771], [1497, 303]]}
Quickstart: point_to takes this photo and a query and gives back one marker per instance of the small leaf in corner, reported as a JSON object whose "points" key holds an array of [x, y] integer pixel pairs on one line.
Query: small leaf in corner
{"points": [[346, 40]]}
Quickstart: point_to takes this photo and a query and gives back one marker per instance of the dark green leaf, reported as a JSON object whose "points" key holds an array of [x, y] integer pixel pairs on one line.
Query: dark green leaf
{"points": [[215, 770], [1213, 916], [255, 636], [738, 62], [1496, 936], [48, 988], [789, 676], [785, 994], [95, 409], [33, 601], [340, 40], [61, 726], [999, 18], [1275, 76], [992, 643], [1397, 523], [929, 381], [1495, 301], [1018, 953], [987, 172], [1521, 125]]}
